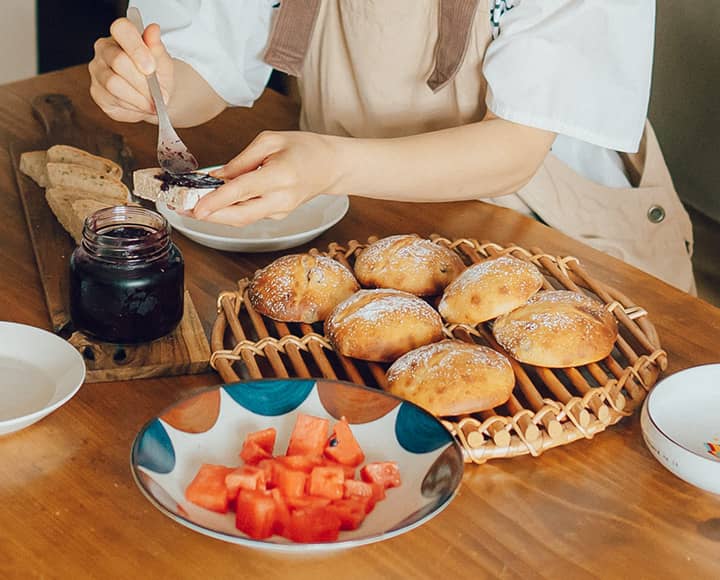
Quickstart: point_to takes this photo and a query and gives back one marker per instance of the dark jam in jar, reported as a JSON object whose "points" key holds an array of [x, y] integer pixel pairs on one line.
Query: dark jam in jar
{"points": [[126, 277]]}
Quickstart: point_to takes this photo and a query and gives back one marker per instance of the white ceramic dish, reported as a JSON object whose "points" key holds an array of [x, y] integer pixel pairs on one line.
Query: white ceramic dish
{"points": [[305, 223], [302, 225], [209, 427], [680, 421], [39, 372]]}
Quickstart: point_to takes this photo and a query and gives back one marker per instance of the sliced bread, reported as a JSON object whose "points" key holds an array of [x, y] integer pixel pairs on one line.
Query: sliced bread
{"points": [[32, 164], [80, 177], [69, 154], [151, 184], [62, 205]]}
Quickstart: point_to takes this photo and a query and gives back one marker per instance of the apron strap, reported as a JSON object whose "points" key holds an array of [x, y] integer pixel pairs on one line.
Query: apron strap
{"points": [[290, 37], [456, 20], [292, 31]]}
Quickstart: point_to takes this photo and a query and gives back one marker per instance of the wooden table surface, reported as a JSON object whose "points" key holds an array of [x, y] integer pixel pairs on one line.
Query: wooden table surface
{"points": [[595, 508]]}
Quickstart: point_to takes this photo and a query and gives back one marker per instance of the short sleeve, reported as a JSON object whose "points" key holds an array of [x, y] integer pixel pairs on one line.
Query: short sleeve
{"points": [[223, 40], [577, 68]]}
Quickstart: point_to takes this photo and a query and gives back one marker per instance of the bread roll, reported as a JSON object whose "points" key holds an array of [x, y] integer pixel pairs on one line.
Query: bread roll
{"points": [[301, 288], [489, 289], [409, 263], [452, 377], [381, 325], [558, 329], [155, 185]]}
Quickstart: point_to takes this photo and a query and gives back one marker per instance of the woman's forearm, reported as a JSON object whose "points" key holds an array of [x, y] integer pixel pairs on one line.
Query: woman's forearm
{"points": [[193, 100], [484, 159]]}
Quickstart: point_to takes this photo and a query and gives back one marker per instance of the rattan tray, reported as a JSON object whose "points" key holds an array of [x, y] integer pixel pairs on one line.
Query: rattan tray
{"points": [[548, 407]]}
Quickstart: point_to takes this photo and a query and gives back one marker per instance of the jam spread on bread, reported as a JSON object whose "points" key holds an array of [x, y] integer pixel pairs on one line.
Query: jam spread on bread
{"points": [[193, 180]]}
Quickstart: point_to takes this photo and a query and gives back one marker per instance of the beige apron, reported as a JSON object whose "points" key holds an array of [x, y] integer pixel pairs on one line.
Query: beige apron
{"points": [[379, 68]]}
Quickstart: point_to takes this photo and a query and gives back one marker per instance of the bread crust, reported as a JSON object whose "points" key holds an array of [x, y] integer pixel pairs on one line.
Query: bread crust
{"points": [[558, 329], [301, 288], [408, 262], [382, 324], [488, 289], [452, 377], [70, 154]]}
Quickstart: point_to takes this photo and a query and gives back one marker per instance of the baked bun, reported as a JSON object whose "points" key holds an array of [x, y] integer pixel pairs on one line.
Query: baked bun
{"points": [[557, 329], [489, 289], [301, 288], [409, 263], [452, 377], [381, 325]]}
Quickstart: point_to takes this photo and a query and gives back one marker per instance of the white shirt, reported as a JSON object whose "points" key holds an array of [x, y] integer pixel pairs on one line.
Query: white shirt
{"points": [[579, 68]]}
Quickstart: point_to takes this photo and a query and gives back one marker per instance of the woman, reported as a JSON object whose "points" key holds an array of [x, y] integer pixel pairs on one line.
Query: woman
{"points": [[538, 105]]}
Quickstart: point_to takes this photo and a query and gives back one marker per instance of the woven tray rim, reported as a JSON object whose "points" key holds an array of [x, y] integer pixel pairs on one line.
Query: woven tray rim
{"points": [[489, 436]]}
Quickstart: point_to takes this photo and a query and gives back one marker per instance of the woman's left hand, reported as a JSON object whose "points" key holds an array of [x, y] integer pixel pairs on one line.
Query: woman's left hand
{"points": [[273, 175]]}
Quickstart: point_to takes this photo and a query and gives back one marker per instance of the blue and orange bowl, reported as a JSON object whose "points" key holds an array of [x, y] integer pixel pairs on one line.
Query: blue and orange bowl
{"points": [[209, 427]]}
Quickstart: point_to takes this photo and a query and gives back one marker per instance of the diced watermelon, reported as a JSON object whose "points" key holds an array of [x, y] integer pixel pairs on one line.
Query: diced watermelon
{"points": [[342, 445], [351, 512], [326, 482], [290, 483], [304, 463], [245, 477], [282, 512], [264, 438], [255, 514], [348, 470], [383, 472], [253, 453], [308, 436], [306, 501], [208, 490], [315, 524]]}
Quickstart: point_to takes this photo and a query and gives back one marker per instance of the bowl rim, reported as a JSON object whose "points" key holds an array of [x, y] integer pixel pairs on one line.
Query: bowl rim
{"points": [[651, 419], [34, 416], [291, 547]]}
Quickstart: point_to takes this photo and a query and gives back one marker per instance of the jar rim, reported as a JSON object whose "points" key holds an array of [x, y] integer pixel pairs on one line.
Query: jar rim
{"points": [[131, 246]]}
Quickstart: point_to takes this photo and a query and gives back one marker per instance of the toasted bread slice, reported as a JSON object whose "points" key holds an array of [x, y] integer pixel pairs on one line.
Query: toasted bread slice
{"points": [[146, 184], [82, 178], [70, 154], [81, 209], [32, 164], [62, 204]]}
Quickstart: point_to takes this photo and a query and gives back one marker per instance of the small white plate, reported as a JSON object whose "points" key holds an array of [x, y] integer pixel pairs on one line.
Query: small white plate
{"points": [[680, 421], [39, 372], [302, 225]]}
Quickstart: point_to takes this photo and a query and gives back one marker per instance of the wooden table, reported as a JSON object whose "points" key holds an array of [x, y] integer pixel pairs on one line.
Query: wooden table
{"points": [[595, 508]]}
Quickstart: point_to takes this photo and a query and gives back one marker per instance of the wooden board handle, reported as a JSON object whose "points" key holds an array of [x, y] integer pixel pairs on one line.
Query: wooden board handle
{"points": [[56, 113]]}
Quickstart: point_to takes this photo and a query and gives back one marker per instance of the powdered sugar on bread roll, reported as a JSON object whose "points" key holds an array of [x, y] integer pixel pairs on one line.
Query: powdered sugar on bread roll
{"points": [[452, 377], [558, 329], [301, 288], [489, 289], [409, 263], [381, 325]]}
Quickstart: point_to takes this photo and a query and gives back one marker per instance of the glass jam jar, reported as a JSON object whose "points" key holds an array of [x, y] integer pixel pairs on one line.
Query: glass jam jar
{"points": [[126, 277]]}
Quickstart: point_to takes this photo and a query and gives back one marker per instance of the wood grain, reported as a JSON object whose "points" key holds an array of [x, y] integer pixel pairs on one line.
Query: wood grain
{"points": [[184, 351], [599, 508]]}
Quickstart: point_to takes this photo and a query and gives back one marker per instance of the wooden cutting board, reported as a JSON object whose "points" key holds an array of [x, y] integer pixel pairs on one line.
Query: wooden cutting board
{"points": [[185, 351]]}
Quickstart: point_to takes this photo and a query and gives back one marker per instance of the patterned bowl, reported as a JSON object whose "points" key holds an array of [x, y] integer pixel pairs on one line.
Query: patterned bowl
{"points": [[680, 422], [209, 427]]}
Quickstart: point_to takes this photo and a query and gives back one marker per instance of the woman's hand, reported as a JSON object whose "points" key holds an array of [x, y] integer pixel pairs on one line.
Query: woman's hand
{"points": [[277, 172], [118, 69]]}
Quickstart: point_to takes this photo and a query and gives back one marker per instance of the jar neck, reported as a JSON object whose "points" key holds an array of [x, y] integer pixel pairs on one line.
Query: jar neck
{"points": [[126, 234]]}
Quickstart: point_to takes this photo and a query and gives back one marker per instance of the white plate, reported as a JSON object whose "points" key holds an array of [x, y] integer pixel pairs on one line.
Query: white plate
{"points": [[305, 223], [39, 372], [680, 421], [208, 427]]}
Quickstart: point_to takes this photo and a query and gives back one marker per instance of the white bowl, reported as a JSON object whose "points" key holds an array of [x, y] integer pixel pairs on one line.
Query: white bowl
{"points": [[39, 372], [680, 421], [302, 225]]}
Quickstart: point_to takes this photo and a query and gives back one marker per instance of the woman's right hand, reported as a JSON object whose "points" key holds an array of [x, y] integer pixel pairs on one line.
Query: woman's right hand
{"points": [[118, 69]]}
